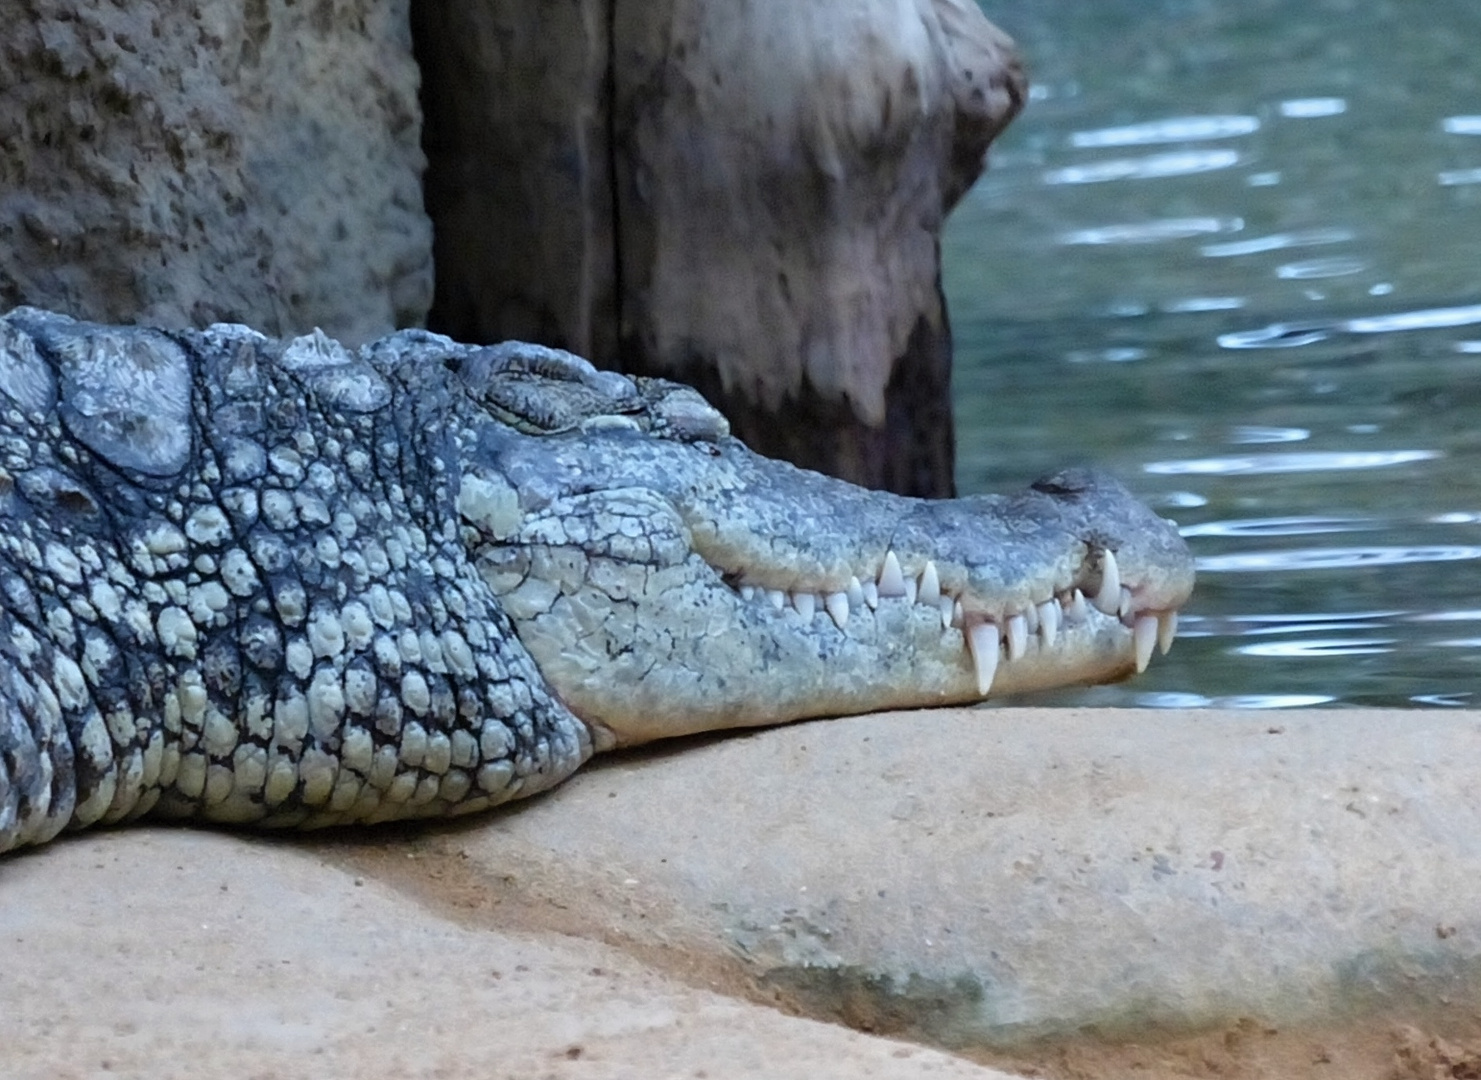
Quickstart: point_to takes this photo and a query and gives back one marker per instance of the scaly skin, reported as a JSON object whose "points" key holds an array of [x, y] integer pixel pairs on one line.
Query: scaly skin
{"points": [[244, 580]]}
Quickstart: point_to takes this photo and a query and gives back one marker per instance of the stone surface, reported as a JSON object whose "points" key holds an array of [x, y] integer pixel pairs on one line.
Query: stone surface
{"points": [[1086, 893], [166, 954], [745, 197], [989, 878], [180, 164]]}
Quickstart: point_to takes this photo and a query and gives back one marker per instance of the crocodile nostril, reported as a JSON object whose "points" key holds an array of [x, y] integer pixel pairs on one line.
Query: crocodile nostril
{"points": [[1064, 482]]}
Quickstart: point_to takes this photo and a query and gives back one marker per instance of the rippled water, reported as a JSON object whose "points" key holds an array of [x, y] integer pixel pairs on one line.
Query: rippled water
{"points": [[1232, 252]]}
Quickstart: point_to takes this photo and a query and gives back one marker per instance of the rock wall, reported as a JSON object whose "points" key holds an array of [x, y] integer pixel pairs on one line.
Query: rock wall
{"points": [[182, 163], [743, 196]]}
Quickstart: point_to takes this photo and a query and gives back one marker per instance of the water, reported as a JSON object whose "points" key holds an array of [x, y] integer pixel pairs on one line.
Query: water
{"points": [[1232, 252]]}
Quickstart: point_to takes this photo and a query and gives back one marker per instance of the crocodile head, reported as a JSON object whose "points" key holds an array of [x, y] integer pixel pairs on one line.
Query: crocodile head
{"points": [[669, 581]]}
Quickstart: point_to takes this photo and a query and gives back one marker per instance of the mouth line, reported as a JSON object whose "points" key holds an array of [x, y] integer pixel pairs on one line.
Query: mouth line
{"points": [[991, 639]]}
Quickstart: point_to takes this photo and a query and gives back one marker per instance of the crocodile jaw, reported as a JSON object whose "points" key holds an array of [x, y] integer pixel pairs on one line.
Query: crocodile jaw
{"points": [[667, 588]]}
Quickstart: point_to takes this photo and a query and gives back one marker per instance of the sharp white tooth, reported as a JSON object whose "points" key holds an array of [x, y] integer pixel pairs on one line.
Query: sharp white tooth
{"points": [[957, 614], [1144, 636], [930, 585], [982, 643], [1076, 612], [777, 598], [891, 580], [855, 592], [1031, 616], [1167, 629], [748, 592], [910, 590], [948, 608], [806, 604], [1108, 598], [871, 595], [1125, 609], [1017, 636], [1049, 622], [837, 605]]}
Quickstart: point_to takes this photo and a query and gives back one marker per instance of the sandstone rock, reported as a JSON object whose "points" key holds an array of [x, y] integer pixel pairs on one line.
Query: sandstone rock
{"points": [[1073, 892], [171, 954], [180, 164], [985, 879], [746, 197]]}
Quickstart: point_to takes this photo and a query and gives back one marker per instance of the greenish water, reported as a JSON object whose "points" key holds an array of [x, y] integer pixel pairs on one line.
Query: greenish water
{"points": [[1232, 252]]}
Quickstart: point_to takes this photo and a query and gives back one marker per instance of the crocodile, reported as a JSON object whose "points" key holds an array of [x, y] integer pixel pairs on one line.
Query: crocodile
{"points": [[283, 583]]}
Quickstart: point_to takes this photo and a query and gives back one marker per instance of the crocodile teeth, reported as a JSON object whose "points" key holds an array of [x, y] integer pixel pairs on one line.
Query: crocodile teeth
{"points": [[1076, 612], [930, 585], [1167, 629], [837, 605], [1049, 623], [1108, 598], [958, 615], [748, 592], [982, 643], [806, 604], [1144, 635], [855, 593], [891, 580], [871, 594], [1031, 616], [1125, 608], [948, 608], [1017, 637], [777, 598]]}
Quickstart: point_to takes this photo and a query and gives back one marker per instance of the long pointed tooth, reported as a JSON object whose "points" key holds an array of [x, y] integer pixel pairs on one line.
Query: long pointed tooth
{"points": [[982, 643], [1124, 609], [777, 598], [1108, 598], [871, 595], [806, 604], [1049, 622], [837, 605], [930, 585], [891, 580], [947, 607], [1144, 636], [1017, 636], [855, 593], [748, 592], [1167, 629], [958, 616], [1031, 616], [1076, 612]]}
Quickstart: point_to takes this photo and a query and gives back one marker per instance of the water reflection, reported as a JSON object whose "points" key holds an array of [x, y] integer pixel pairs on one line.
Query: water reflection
{"points": [[1176, 163], [1308, 269], [1173, 130], [1330, 558], [1295, 462], [1308, 108], [1286, 335], [1277, 242], [1233, 701], [1290, 265], [1286, 526], [1152, 232]]}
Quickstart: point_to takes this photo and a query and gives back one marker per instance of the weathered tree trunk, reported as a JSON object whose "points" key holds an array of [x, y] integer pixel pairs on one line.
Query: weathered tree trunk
{"points": [[746, 196]]}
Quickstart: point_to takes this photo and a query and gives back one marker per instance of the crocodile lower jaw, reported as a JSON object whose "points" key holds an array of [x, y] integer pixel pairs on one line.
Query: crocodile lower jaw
{"points": [[992, 638]]}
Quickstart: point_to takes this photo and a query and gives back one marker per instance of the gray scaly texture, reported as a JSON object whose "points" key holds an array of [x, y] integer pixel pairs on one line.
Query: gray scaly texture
{"points": [[256, 581], [233, 588]]}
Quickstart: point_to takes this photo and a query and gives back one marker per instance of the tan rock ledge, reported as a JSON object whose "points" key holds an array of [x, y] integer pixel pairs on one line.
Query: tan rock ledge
{"points": [[1077, 892]]}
